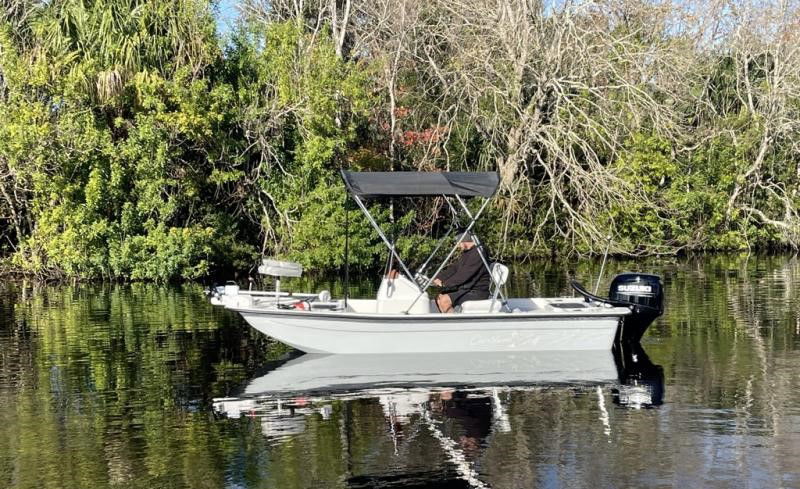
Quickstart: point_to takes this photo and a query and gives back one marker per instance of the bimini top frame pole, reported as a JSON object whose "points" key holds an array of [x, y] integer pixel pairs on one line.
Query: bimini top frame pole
{"points": [[386, 241], [469, 227], [503, 297], [417, 184]]}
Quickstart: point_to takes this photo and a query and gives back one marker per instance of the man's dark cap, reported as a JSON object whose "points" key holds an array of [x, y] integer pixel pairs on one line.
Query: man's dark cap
{"points": [[465, 237]]}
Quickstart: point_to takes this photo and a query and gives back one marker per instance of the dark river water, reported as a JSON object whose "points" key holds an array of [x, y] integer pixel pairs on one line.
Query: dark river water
{"points": [[146, 386]]}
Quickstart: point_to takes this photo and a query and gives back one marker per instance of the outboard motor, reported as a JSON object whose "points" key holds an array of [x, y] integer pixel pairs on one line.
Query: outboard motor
{"points": [[644, 294], [641, 292]]}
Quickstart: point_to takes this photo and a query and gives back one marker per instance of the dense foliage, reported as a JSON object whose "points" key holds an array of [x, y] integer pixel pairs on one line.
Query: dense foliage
{"points": [[138, 142]]}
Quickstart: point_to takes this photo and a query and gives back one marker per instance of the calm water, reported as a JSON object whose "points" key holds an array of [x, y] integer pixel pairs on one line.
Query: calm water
{"points": [[147, 386]]}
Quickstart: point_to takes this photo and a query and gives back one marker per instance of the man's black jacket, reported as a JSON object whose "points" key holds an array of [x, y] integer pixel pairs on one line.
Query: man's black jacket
{"points": [[467, 273]]}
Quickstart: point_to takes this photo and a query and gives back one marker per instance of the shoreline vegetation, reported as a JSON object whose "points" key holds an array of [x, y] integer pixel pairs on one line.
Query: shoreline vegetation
{"points": [[138, 142]]}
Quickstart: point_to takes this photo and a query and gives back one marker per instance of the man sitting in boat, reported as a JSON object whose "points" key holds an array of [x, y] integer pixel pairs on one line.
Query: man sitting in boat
{"points": [[467, 279]]}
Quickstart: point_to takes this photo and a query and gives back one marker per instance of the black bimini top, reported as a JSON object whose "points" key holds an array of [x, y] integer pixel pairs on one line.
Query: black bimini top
{"points": [[417, 183]]}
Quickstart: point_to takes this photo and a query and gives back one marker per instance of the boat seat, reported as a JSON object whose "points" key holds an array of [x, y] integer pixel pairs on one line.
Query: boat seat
{"points": [[499, 277], [480, 307]]}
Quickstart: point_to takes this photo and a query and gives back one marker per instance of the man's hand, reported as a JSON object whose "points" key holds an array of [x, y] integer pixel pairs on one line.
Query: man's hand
{"points": [[437, 282]]}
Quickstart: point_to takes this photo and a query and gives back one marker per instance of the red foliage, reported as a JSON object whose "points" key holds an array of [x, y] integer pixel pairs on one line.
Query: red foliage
{"points": [[426, 136], [401, 112]]}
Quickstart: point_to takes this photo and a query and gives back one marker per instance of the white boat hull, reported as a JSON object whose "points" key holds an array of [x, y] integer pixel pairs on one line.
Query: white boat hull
{"points": [[432, 333]]}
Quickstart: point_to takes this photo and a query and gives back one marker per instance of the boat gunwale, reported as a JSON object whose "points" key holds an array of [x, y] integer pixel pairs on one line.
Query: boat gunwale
{"points": [[611, 312]]}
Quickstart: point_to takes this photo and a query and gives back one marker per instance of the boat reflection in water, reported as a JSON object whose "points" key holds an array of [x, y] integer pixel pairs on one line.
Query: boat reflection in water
{"points": [[641, 382], [460, 401]]}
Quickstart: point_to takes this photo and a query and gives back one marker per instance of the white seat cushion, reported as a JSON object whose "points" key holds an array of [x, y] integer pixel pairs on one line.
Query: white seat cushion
{"points": [[477, 307]]}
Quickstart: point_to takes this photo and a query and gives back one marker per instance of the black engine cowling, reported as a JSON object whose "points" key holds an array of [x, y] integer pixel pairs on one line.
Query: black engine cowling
{"points": [[641, 292], [640, 289], [644, 294]]}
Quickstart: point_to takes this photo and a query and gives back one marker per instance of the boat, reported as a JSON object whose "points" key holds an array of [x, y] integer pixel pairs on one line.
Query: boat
{"points": [[403, 318]]}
